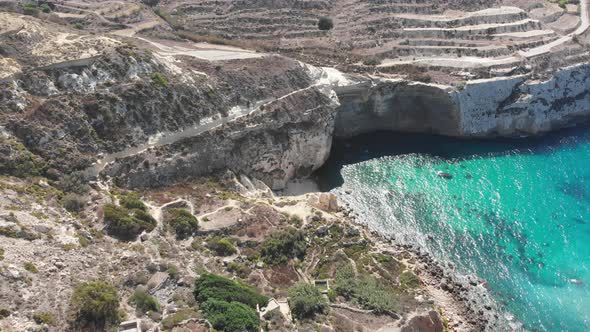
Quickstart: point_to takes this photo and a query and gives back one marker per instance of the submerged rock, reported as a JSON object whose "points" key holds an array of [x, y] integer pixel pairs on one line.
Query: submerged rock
{"points": [[444, 175]]}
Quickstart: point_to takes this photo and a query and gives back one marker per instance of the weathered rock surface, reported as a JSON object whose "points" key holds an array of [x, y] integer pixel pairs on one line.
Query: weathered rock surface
{"points": [[154, 119], [290, 137], [512, 106]]}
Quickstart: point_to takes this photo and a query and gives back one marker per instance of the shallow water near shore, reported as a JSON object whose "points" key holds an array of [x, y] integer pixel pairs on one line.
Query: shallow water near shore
{"points": [[515, 212]]}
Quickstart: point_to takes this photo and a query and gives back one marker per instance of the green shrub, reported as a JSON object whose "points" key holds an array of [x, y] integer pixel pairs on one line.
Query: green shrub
{"points": [[172, 272], [369, 292], [132, 201], [409, 280], [159, 79], [563, 3], [45, 8], [96, 304], [371, 62], [372, 294], [4, 313], [17, 160], [171, 321], [182, 221], [345, 281], [31, 9], [73, 202], [332, 295], [239, 269], [325, 23], [44, 318], [230, 316], [127, 224], [282, 246], [1, 254], [221, 246], [30, 267], [306, 301], [210, 286], [144, 301]]}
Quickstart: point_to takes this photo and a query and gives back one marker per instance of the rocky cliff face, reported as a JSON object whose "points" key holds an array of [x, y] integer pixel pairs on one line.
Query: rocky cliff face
{"points": [[396, 105], [152, 118], [522, 106], [62, 117], [284, 139], [508, 106]]}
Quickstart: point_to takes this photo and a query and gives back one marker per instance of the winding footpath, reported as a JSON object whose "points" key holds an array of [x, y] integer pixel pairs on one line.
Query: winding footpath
{"points": [[584, 25]]}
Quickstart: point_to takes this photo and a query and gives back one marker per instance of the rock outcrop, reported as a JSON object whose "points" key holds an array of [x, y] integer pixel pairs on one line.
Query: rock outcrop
{"points": [[287, 138], [508, 106]]}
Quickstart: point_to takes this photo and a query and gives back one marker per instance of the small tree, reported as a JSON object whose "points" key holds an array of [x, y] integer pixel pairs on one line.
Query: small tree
{"points": [[73, 202], [230, 316], [182, 221], [306, 301], [95, 304], [283, 245], [127, 224], [325, 23], [221, 246], [211, 286]]}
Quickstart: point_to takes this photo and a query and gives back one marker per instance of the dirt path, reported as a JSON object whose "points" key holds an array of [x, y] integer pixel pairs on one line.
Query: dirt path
{"points": [[473, 62], [157, 211], [584, 25]]}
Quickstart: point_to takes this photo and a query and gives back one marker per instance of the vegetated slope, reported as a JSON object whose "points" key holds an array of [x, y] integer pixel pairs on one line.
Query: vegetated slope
{"points": [[69, 106]]}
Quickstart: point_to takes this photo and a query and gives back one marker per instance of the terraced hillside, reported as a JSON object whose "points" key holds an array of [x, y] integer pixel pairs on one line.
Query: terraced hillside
{"points": [[441, 35], [397, 31]]}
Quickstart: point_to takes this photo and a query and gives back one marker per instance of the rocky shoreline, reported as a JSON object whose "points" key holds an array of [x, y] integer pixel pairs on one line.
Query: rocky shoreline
{"points": [[466, 299]]}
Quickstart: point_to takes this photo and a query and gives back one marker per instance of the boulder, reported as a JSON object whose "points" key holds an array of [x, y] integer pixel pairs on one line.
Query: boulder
{"points": [[327, 202], [426, 322]]}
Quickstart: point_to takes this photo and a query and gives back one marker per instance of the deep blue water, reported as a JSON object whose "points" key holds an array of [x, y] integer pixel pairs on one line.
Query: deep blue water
{"points": [[516, 212]]}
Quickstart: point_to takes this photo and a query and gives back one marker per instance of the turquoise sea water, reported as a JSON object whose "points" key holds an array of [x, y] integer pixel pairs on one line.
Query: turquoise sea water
{"points": [[516, 213]]}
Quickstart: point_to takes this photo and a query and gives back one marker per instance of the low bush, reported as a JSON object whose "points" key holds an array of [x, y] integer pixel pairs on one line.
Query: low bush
{"points": [[230, 316], [45, 8], [132, 201], [369, 292], [126, 224], [143, 301], [172, 272], [239, 269], [44, 318], [282, 246], [221, 246], [409, 280], [306, 301], [95, 304], [182, 222], [159, 79], [171, 321], [325, 23], [30, 267], [31, 9], [371, 62], [563, 3], [211, 286], [73, 202]]}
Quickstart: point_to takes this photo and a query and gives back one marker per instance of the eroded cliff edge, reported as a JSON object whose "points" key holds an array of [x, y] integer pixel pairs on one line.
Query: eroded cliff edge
{"points": [[208, 119], [292, 137], [505, 106]]}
